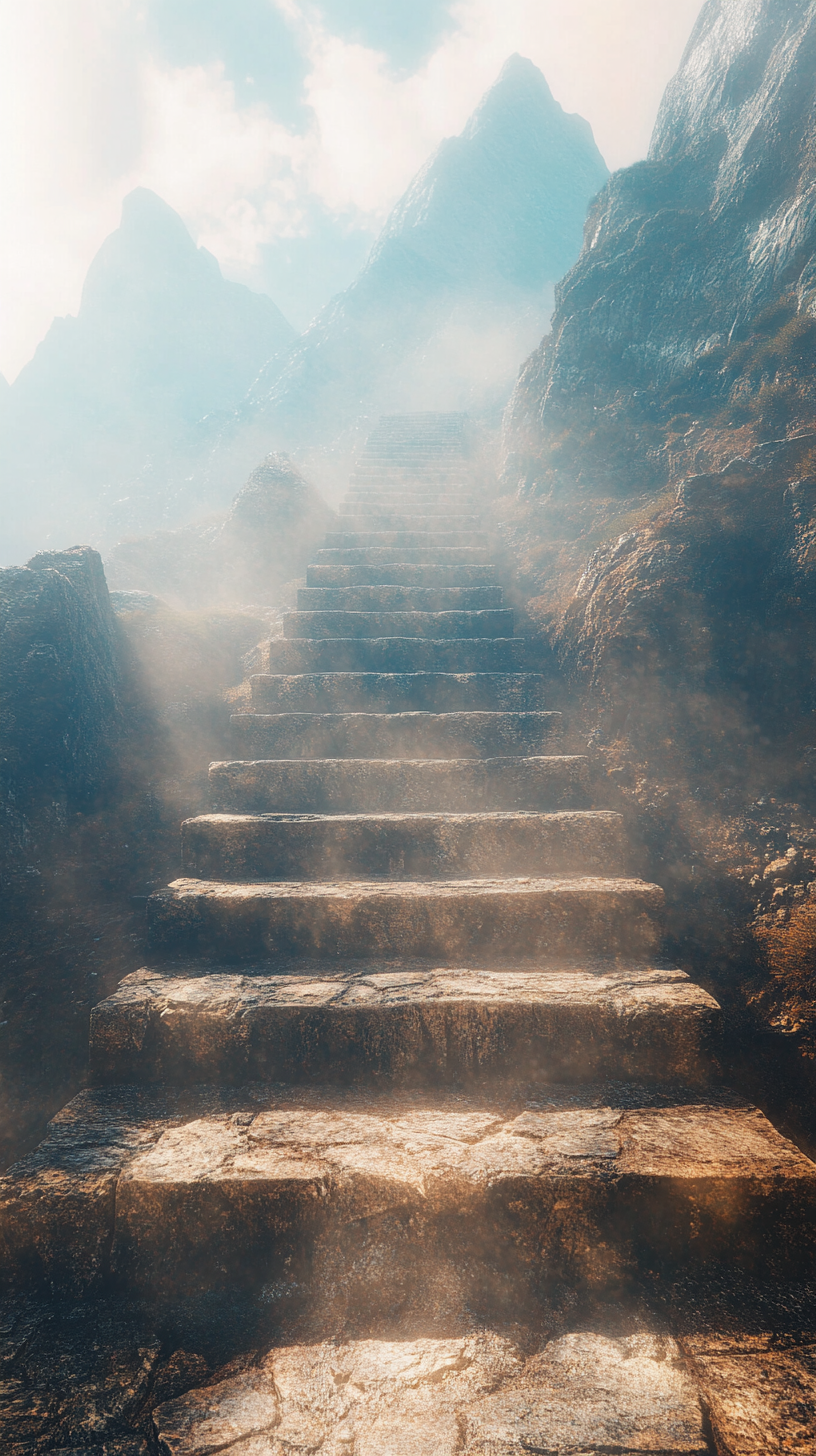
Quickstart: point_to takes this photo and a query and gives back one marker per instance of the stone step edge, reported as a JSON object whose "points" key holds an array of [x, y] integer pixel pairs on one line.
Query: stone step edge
{"points": [[116, 1161], [400, 1022]]}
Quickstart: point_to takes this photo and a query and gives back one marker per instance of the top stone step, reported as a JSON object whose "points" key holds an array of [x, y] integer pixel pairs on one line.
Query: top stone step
{"points": [[404, 556], [395, 521], [397, 539], [425, 504]]}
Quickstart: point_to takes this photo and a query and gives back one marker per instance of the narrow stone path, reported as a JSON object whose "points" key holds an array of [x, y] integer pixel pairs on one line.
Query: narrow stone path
{"points": [[406, 1066]]}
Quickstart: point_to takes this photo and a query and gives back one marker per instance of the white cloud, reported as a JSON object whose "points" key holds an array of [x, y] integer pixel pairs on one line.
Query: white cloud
{"points": [[232, 173], [86, 113]]}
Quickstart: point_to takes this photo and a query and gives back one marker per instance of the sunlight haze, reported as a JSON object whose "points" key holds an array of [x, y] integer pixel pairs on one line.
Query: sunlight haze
{"points": [[282, 132]]}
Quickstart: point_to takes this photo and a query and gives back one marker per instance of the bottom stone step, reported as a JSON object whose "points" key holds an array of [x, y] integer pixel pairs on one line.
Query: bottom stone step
{"points": [[482, 1393], [405, 1025], [318, 1191]]}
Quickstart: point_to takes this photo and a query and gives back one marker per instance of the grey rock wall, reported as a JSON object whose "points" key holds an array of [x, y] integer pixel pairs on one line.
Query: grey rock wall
{"points": [[60, 676], [682, 250]]}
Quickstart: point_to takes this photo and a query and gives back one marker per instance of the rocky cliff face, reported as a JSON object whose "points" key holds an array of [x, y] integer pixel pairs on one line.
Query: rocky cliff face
{"points": [[59, 700], [698, 271], [94, 424], [661, 498], [459, 282]]}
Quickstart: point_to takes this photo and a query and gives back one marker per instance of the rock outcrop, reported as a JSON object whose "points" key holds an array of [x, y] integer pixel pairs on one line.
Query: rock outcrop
{"points": [[459, 283], [60, 680], [660, 506], [684, 251], [246, 557], [95, 424]]}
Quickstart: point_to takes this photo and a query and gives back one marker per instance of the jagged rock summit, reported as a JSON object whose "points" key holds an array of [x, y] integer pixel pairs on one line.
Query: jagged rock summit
{"points": [[458, 285], [684, 249], [160, 340], [505, 202]]}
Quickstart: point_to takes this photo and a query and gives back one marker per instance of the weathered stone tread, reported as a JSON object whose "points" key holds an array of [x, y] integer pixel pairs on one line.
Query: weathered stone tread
{"points": [[430, 918], [759, 1390], [475, 1394], [398, 654], [212, 1186], [381, 785], [411, 735], [395, 692], [402, 846], [405, 1023], [498, 622]]}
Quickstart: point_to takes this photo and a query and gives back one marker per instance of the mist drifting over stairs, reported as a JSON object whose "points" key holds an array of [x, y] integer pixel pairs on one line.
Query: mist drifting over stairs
{"points": [[405, 1085]]}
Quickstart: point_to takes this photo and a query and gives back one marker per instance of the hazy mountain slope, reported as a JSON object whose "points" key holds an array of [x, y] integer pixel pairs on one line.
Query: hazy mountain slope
{"points": [[459, 281], [160, 340]]}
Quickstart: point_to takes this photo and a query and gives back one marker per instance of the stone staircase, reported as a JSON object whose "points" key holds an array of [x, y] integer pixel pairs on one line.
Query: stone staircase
{"points": [[406, 1057]]}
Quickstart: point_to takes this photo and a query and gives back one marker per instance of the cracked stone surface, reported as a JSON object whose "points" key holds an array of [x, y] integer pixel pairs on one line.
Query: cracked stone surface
{"points": [[406, 1023], [479, 1394]]}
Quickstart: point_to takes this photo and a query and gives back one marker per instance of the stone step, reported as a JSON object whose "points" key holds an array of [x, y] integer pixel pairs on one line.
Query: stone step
{"points": [[456, 491], [405, 556], [417, 477], [390, 598], [429, 919], [387, 493], [398, 540], [617, 1388], [398, 692], [402, 846], [396, 520], [411, 470], [406, 1025], [400, 574], [344, 785], [296, 655], [393, 735], [405, 504], [174, 1193], [499, 623]]}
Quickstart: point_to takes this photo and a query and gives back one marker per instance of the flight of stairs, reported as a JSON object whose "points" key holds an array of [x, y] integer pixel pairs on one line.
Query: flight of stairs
{"points": [[405, 1045]]}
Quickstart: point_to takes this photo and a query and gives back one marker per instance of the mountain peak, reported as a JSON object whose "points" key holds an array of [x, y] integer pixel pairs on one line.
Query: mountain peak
{"points": [[458, 286], [145, 213], [518, 70], [520, 90]]}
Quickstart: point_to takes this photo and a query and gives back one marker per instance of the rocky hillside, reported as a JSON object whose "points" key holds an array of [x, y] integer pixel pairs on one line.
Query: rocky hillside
{"points": [[695, 294], [459, 284], [660, 497], [94, 426]]}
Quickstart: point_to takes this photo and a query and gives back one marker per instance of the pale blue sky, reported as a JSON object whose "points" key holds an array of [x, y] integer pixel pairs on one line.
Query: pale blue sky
{"points": [[282, 130]]}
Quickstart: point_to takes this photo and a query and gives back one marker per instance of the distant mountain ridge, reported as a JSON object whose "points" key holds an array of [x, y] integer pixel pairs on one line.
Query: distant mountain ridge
{"points": [[459, 284], [160, 340]]}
